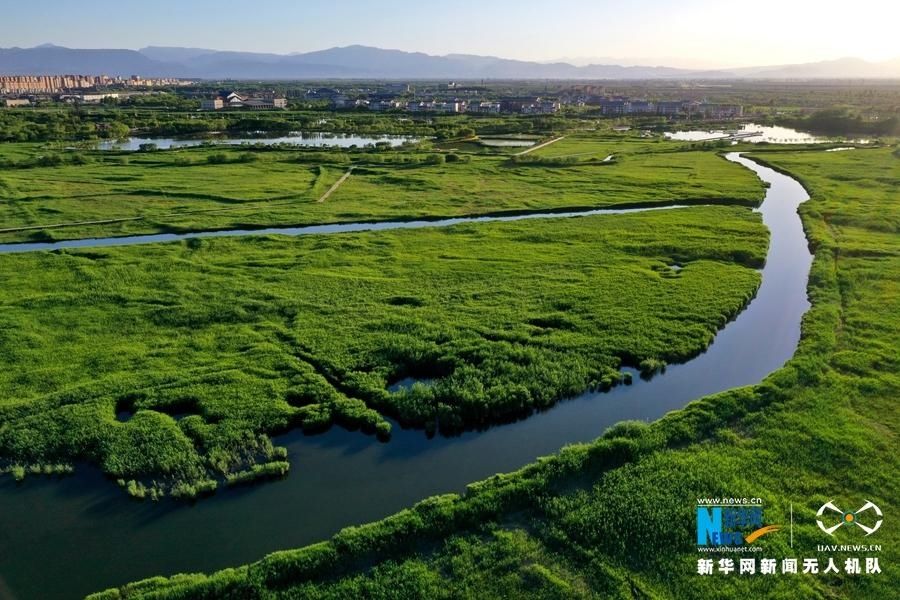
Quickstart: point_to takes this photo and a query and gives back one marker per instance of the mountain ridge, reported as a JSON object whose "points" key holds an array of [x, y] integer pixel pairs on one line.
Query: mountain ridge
{"points": [[367, 62]]}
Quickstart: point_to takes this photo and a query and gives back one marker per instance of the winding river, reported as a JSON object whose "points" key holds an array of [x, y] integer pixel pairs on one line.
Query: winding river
{"points": [[68, 537]]}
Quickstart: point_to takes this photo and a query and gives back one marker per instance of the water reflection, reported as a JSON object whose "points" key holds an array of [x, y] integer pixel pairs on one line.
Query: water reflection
{"points": [[753, 133], [296, 138]]}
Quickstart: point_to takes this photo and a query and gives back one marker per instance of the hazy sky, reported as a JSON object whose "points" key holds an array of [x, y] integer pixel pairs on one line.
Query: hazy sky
{"points": [[688, 32]]}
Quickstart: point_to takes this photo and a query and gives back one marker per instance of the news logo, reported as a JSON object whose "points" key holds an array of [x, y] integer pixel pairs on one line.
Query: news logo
{"points": [[851, 518], [731, 522]]}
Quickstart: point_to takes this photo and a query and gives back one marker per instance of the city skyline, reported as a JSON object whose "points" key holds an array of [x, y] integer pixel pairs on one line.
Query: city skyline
{"points": [[701, 34]]}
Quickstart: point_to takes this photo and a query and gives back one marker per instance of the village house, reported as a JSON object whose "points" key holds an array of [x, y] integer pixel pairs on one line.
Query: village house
{"points": [[16, 102], [212, 103], [491, 108], [266, 101]]}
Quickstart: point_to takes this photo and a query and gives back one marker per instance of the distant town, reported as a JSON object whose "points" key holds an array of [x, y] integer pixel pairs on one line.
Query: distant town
{"points": [[450, 98], [24, 90], [55, 84], [530, 105]]}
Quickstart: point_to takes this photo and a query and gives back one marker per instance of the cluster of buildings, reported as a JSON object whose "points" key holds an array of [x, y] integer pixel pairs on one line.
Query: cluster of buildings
{"points": [[529, 106], [228, 99], [93, 97], [438, 106], [458, 99], [452, 98], [49, 84], [704, 110], [149, 82], [56, 84], [90, 98]]}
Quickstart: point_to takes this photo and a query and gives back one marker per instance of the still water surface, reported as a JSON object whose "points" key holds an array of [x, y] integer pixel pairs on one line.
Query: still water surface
{"points": [[65, 538], [296, 138], [507, 143], [753, 133]]}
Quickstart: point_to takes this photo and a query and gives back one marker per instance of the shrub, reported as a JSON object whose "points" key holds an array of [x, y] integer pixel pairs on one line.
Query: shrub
{"points": [[651, 366], [383, 430], [50, 160], [136, 489], [271, 470]]}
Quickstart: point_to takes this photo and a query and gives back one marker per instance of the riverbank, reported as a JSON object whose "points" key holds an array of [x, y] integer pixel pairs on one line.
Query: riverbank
{"points": [[96, 194], [333, 487], [558, 527]]}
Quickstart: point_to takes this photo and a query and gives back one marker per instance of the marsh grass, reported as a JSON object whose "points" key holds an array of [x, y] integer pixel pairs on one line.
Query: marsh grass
{"points": [[212, 345], [204, 188], [615, 518]]}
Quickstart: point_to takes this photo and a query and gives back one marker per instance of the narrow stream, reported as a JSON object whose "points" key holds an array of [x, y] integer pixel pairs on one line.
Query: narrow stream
{"points": [[68, 537], [157, 238]]}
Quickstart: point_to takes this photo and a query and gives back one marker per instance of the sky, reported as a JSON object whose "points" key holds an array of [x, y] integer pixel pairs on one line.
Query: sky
{"points": [[688, 33]]}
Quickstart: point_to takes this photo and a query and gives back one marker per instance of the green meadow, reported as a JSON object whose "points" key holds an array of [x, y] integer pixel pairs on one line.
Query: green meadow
{"points": [[168, 365], [48, 194], [615, 518]]}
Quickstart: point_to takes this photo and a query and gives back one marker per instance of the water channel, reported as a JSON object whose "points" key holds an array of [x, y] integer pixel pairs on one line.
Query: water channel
{"points": [[63, 538]]}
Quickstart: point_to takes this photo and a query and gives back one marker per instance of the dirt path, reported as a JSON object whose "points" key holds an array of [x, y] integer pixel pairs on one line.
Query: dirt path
{"points": [[336, 185], [539, 146]]}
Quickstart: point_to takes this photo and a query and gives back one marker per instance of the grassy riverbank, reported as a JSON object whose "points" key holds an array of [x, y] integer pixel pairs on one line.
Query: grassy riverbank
{"points": [[193, 189], [171, 362], [615, 518]]}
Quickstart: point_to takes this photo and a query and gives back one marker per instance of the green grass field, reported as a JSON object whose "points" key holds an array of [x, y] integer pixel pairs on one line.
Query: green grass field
{"points": [[615, 518], [182, 190], [242, 337], [599, 145]]}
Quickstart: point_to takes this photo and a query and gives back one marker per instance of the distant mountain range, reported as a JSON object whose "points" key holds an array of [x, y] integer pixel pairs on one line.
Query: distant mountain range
{"points": [[363, 62]]}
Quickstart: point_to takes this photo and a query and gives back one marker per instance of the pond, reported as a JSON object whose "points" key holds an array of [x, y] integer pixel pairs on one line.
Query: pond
{"points": [[753, 133], [296, 138], [408, 382], [63, 538], [506, 143]]}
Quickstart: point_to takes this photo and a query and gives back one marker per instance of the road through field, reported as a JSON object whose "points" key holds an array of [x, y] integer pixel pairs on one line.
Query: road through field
{"points": [[539, 146], [336, 185]]}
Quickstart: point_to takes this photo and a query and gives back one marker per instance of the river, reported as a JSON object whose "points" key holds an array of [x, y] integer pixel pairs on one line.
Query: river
{"points": [[63, 538]]}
